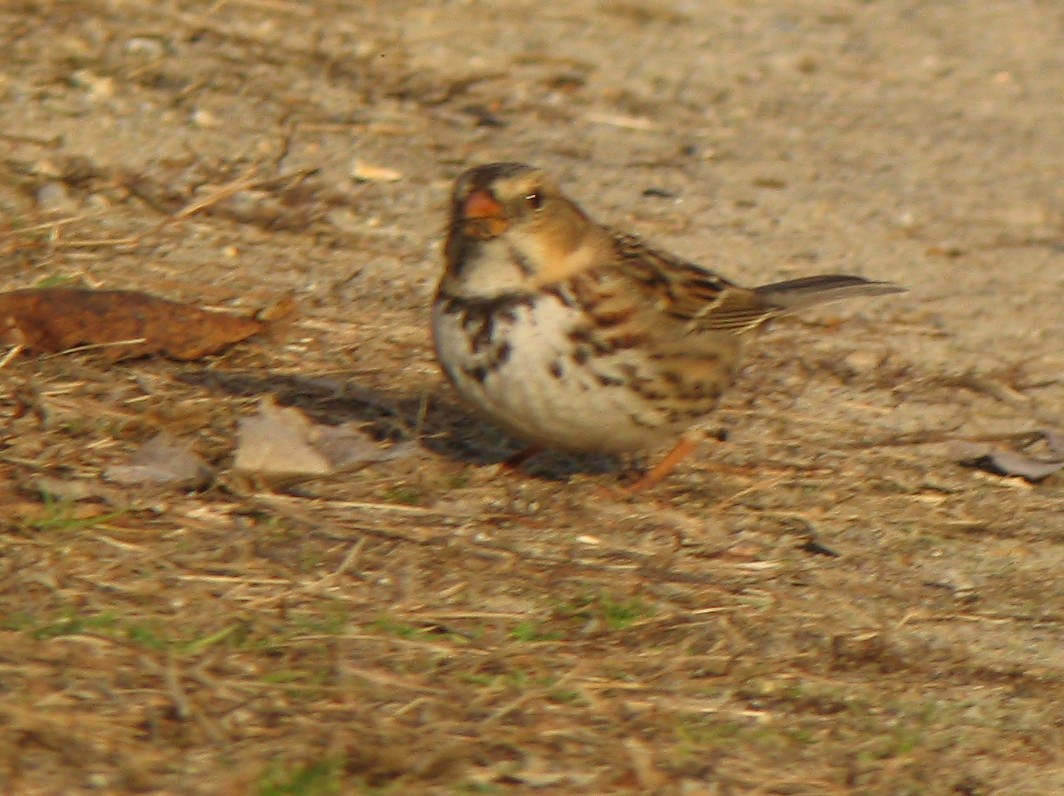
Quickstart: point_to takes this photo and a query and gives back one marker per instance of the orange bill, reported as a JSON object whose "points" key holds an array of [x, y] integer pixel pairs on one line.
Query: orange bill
{"points": [[480, 206]]}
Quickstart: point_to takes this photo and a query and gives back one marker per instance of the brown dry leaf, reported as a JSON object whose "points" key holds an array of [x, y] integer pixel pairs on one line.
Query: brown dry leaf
{"points": [[162, 460], [124, 323], [283, 441], [1014, 463]]}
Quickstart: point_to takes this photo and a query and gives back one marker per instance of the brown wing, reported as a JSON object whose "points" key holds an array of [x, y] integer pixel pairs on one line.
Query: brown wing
{"points": [[712, 303], [691, 293]]}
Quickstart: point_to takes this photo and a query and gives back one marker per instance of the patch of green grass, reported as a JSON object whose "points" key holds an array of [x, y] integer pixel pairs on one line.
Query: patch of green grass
{"points": [[519, 681], [19, 620], [513, 680], [815, 697], [905, 735], [73, 625], [801, 735], [284, 676], [695, 734], [615, 614], [394, 627], [320, 778], [233, 636], [496, 681], [530, 631], [568, 696], [620, 614], [58, 280], [147, 635], [70, 623], [478, 787], [60, 515], [459, 479], [336, 620], [404, 495], [299, 684]]}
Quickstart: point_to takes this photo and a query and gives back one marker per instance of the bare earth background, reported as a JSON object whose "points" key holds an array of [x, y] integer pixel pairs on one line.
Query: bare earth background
{"points": [[824, 603]]}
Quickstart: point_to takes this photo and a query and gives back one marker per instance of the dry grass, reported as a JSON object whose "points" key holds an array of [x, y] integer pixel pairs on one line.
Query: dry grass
{"points": [[822, 604], [432, 625]]}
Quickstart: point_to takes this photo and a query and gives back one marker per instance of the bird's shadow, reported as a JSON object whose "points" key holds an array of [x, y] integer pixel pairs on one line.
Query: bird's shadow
{"points": [[432, 418]]}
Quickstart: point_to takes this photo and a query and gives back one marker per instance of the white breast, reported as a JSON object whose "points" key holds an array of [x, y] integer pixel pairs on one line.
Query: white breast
{"points": [[520, 373]]}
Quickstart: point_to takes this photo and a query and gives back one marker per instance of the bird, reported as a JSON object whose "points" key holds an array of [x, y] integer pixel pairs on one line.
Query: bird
{"points": [[574, 336]]}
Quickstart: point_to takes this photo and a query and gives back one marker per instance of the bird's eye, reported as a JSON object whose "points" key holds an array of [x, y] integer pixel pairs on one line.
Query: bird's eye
{"points": [[534, 200]]}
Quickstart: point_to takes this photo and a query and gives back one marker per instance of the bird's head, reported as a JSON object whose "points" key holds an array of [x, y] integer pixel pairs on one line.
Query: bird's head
{"points": [[513, 231]]}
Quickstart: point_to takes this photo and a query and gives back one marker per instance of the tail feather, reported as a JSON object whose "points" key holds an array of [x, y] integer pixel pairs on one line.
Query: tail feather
{"points": [[797, 294]]}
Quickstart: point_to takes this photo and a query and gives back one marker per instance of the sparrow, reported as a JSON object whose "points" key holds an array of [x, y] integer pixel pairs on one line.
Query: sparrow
{"points": [[571, 335]]}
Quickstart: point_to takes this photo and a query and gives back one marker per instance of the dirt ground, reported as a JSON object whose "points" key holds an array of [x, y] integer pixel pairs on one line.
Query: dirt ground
{"points": [[827, 602]]}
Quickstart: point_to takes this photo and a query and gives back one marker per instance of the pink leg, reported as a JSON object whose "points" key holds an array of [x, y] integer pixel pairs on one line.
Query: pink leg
{"points": [[684, 448]]}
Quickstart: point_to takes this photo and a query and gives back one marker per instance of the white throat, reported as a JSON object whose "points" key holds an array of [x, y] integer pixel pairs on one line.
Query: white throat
{"points": [[490, 270]]}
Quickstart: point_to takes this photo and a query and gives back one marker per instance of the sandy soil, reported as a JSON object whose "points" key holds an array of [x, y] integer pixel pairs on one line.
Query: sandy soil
{"points": [[825, 603]]}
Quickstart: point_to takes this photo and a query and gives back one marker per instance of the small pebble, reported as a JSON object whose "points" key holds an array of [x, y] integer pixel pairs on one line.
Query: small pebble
{"points": [[345, 220], [146, 46], [863, 361], [100, 87], [54, 196], [205, 119]]}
